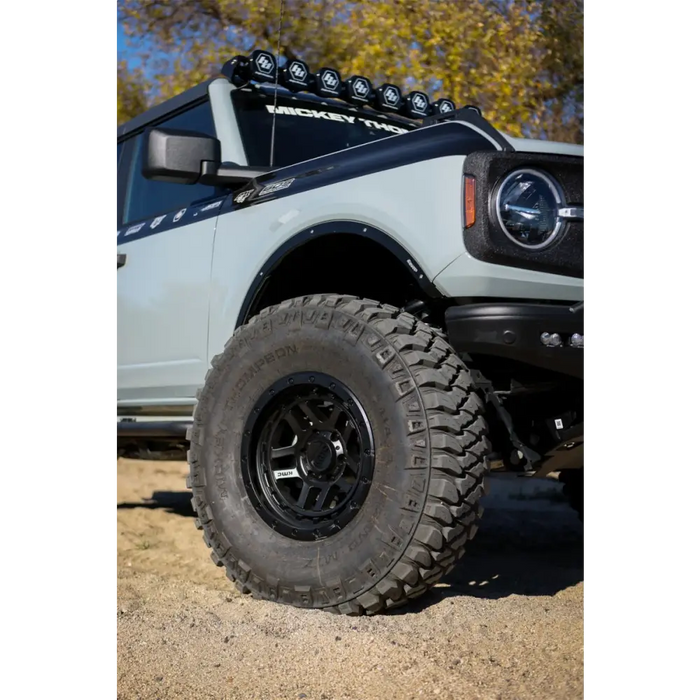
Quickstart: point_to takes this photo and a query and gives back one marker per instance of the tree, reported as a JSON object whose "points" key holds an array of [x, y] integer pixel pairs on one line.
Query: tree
{"points": [[519, 60], [131, 92]]}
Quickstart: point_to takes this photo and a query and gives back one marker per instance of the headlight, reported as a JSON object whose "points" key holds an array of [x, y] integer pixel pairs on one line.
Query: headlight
{"points": [[527, 208]]}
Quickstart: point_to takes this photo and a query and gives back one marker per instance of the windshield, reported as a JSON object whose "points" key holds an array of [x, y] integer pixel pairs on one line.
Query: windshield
{"points": [[303, 129]]}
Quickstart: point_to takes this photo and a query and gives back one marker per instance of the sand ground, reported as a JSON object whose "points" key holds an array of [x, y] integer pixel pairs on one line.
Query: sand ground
{"points": [[506, 623]]}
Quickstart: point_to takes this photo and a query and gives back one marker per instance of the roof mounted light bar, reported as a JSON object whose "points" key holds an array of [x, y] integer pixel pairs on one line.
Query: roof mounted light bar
{"points": [[261, 67]]}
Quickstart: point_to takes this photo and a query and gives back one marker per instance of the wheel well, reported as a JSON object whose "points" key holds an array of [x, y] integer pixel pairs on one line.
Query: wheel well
{"points": [[340, 263]]}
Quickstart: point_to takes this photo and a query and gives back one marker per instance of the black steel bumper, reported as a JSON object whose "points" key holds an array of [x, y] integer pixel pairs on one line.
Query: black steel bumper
{"points": [[514, 331]]}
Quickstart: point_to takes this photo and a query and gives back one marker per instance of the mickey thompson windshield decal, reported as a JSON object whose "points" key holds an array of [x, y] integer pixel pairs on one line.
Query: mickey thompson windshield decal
{"points": [[336, 117]]}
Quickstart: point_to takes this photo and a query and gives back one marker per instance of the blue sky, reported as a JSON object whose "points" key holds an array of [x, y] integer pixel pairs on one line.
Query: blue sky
{"points": [[131, 54], [122, 50]]}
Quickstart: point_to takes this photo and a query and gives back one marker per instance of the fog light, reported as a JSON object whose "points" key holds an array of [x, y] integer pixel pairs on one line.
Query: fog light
{"points": [[551, 340], [576, 341]]}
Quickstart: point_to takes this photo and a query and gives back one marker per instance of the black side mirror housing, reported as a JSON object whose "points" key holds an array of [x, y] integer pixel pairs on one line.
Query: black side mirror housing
{"points": [[187, 157], [174, 155]]}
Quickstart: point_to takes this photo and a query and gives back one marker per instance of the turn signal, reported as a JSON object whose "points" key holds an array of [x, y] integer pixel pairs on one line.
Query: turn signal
{"points": [[469, 201]]}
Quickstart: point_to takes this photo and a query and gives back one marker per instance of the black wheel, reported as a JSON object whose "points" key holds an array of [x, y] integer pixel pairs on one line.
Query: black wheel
{"points": [[573, 488], [337, 455]]}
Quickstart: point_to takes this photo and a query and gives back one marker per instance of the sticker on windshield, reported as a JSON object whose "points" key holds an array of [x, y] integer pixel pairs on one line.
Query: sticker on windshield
{"points": [[334, 116]]}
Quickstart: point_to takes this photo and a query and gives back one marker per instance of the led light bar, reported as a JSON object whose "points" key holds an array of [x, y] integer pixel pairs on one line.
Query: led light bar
{"points": [[261, 66]]}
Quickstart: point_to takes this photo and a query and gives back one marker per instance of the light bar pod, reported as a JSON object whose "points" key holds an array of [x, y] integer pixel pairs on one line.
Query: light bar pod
{"points": [[262, 66], [387, 98], [359, 90], [443, 106], [327, 83], [259, 66], [416, 105], [296, 76]]}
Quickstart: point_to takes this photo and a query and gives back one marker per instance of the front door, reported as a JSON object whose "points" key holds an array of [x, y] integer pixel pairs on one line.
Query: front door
{"points": [[164, 249]]}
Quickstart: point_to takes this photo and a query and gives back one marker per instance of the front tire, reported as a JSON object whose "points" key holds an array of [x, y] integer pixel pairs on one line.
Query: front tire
{"points": [[380, 489]]}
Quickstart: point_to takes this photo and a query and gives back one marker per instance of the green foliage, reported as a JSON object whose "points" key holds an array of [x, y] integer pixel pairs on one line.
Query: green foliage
{"points": [[521, 61], [131, 93]]}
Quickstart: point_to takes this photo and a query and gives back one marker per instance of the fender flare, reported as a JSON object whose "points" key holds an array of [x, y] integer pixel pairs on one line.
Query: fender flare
{"points": [[328, 228]]}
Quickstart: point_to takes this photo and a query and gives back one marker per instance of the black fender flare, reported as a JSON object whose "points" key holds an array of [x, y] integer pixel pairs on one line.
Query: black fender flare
{"points": [[328, 228]]}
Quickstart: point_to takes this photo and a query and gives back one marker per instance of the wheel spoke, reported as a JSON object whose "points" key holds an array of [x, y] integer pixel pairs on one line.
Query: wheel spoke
{"points": [[352, 464], [333, 418], [322, 497], [296, 421], [279, 452], [345, 486], [303, 496], [346, 432], [316, 420]]}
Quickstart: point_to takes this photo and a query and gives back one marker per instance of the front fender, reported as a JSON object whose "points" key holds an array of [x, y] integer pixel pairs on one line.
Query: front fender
{"points": [[416, 210]]}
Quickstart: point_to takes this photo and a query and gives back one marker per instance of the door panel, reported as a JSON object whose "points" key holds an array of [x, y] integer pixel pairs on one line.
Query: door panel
{"points": [[164, 250]]}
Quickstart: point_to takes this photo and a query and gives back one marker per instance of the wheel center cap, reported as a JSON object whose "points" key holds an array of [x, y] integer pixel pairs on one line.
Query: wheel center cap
{"points": [[320, 454]]}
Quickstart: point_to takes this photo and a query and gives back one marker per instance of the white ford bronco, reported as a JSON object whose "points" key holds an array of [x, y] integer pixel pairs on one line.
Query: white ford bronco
{"points": [[347, 304]]}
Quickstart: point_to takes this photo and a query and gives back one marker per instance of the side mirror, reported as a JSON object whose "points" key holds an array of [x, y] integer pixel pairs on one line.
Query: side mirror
{"points": [[172, 155], [186, 157]]}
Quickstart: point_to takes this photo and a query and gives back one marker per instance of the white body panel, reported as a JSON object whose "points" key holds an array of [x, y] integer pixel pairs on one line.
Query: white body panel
{"points": [[163, 313], [538, 146], [468, 277]]}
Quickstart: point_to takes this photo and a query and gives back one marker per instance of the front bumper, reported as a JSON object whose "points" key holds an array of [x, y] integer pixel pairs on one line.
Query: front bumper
{"points": [[513, 331]]}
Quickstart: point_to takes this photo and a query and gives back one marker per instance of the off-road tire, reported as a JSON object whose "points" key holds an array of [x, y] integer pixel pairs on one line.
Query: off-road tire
{"points": [[572, 479], [431, 456]]}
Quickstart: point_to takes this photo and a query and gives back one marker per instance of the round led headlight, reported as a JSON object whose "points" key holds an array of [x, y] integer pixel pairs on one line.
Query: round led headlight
{"points": [[527, 208]]}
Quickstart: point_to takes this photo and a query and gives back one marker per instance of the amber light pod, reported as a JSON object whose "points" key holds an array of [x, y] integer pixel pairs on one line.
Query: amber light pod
{"points": [[469, 201]]}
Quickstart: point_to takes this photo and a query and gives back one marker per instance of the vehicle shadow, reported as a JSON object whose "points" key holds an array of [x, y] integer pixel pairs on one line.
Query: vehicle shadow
{"points": [[515, 552], [176, 502]]}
